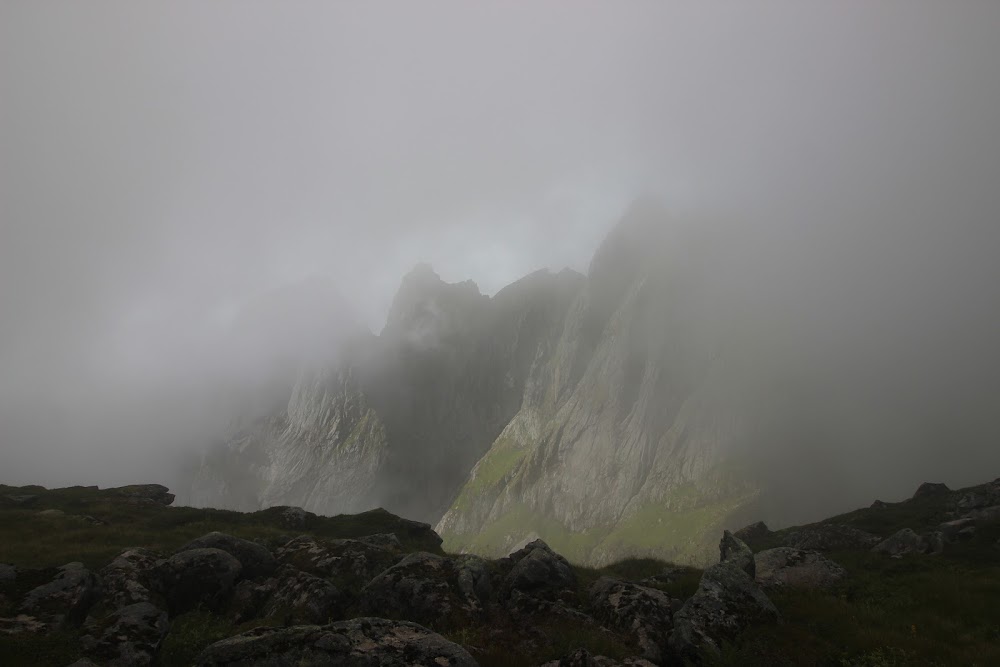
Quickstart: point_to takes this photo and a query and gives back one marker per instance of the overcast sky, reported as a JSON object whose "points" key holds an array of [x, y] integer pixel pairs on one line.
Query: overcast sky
{"points": [[162, 164]]}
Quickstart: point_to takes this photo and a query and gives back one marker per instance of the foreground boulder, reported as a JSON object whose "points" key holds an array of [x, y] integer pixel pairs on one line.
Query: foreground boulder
{"points": [[129, 578], [583, 658], [733, 550], [726, 603], [130, 636], [372, 642], [64, 601], [785, 566], [645, 613], [424, 588], [537, 570], [753, 532], [829, 537], [197, 577], [295, 594], [254, 558], [350, 563], [902, 543]]}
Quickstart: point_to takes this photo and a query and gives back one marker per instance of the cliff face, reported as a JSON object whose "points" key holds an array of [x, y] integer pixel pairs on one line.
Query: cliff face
{"points": [[601, 413]]}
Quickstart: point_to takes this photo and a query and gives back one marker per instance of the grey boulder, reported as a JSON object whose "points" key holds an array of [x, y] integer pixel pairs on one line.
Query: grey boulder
{"points": [[198, 577], [733, 550], [785, 566], [255, 559], [64, 601], [130, 636], [903, 543], [643, 612], [537, 570]]}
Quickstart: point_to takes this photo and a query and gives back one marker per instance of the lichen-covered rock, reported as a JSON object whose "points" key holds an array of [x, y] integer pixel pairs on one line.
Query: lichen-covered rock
{"points": [[256, 560], [643, 612], [130, 636], [733, 550], [64, 601], [931, 489], [785, 566], [295, 594], [129, 578], [387, 541], [423, 588], [726, 603], [350, 563], [537, 570], [829, 537], [902, 543], [197, 577], [371, 642]]}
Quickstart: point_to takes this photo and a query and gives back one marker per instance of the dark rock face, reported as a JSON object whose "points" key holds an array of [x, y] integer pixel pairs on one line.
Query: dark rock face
{"points": [[785, 566], [64, 601], [726, 603], [8, 573], [901, 543], [753, 532], [646, 613], [733, 550], [879, 505], [129, 578], [130, 636], [829, 537], [340, 560], [930, 489], [538, 570], [424, 588], [197, 577], [371, 642], [302, 596], [255, 559], [152, 494]]}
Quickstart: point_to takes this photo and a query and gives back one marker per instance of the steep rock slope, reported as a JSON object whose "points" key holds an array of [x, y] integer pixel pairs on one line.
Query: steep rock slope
{"points": [[401, 420], [630, 435]]}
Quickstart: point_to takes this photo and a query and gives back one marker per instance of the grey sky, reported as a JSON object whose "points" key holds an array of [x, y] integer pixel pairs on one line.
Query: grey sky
{"points": [[160, 165]]}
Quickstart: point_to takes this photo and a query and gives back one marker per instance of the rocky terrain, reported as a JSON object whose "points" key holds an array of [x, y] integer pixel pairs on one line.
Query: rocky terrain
{"points": [[120, 577]]}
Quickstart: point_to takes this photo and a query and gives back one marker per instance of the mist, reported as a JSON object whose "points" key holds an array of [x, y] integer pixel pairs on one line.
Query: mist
{"points": [[164, 169]]}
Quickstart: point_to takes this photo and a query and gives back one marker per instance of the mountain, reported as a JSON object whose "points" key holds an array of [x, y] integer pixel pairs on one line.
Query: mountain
{"points": [[603, 413]]}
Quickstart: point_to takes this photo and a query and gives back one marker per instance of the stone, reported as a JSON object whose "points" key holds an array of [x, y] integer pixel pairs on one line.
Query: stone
{"points": [[50, 514], [950, 529], [784, 566], [726, 603], [144, 494], [902, 543], [732, 549], [538, 570], [64, 601], [387, 541], [879, 505], [130, 636], [372, 642], [753, 532], [255, 559], [931, 489], [583, 658], [829, 537], [986, 514], [8, 573], [423, 588], [197, 577], [350, 563], [22, 624], [645, 613], [299, 596], [130, 578]]}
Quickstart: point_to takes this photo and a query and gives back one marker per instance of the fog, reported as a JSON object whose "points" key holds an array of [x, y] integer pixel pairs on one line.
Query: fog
{"points": [[164, 168]]}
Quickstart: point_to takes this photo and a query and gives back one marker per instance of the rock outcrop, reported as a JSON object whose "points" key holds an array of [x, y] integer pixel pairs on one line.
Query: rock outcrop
{"points": [[784, 566]]}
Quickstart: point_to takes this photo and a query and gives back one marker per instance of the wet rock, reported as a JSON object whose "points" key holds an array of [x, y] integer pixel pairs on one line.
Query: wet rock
{"points": [[130, 636], [350, 563], [64, 601], [785, 566], [753, 532], [726, 603], [8, 573], [643, 612], [423, 588], [733, 550], [829, 537], [538, 570], [129, 578], [291, 593], [931, 489], [372, 642], [902, 543], [474, 579], [255, 559], [197, 577]]}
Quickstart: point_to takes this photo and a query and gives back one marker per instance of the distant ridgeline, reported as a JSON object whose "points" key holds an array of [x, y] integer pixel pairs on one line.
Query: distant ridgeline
{"points": [[610, 414]]}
